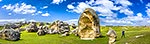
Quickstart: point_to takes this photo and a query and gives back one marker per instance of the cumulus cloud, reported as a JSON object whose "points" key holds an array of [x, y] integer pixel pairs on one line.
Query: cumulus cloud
{"points": [[126, 12], [104, 7], [139, 14], [45, 14], [124, 3], [148, 12], [70, 6], [22, 8], [137, 20], [148, 9], [57, 1]]}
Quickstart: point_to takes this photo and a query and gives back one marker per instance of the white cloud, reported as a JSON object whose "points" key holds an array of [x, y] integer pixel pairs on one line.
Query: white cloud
{"points": [[39, 12], [148, 5], [137, 20], [132, 21], [118, 21], [104, 7], [0, 0], [44, 7], [124, 3], [75, 21], [22, 8], [139, 14], [9, 13], [45, 14], [126, 11], [57, 1], [32, 20], [148, 12], [70, 7], [8, 7], [134, 18], [148, 9], [80, 7]]}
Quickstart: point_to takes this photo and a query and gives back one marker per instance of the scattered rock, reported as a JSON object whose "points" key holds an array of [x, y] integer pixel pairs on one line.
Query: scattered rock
{"points": [[32, 27], [73, 26], [10, 34], [59, 27], [112, 36], [138, 36], [42, 30], [126, 43], [74, 31]]}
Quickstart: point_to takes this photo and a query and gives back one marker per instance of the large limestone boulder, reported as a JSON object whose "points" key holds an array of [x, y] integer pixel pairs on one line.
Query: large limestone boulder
{"points": [[10, 34], [112, 36], [88, 25]]}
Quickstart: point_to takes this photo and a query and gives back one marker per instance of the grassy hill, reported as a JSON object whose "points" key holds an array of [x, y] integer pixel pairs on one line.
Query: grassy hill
{"points": [[131, 32], [1, 27]]}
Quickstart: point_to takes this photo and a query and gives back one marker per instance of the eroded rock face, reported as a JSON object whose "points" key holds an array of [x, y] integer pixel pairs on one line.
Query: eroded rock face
{"points": [[10, 34], [88, 25], [59, 27], [32, 27], [42, 30]]}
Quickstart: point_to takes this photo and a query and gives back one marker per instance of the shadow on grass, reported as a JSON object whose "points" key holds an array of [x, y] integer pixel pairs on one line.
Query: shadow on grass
{"points": [[101, 36], [15, 40]]}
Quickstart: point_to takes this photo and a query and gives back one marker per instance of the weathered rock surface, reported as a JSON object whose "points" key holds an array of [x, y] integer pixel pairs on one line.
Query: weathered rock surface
{"points": [[112, 36], [74, 31], [42, 30], [32, 27], [59, 27], [10, 34], [88, 25]]}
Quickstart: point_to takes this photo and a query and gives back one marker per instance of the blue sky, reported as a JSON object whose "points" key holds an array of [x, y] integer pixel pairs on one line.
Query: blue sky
{"points": [[110, 12]]}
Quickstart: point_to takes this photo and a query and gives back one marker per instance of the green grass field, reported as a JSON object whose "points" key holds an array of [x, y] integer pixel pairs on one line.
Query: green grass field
{"points": [[131, 32]]}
